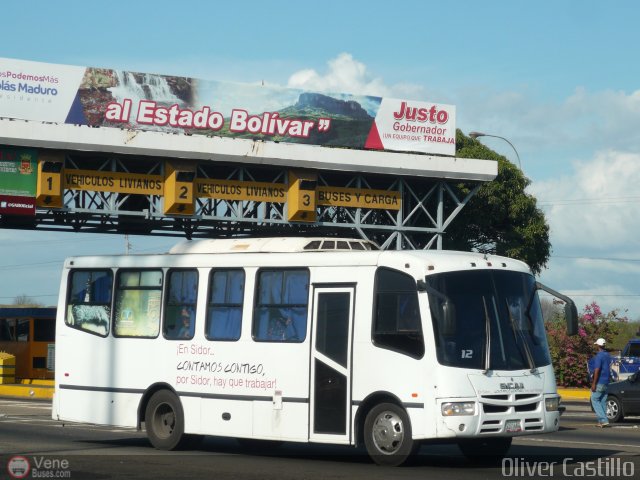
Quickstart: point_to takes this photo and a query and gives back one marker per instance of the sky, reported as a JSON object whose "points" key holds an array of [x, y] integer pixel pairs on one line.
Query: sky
{"points": [[559, 79]]}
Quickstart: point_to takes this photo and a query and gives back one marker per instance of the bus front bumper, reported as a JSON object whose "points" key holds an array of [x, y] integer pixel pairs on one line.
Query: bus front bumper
{"points": [[540, 414]]}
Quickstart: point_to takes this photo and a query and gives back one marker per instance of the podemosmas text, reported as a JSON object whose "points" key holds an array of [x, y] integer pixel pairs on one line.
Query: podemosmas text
{"points": [[28, 76]]}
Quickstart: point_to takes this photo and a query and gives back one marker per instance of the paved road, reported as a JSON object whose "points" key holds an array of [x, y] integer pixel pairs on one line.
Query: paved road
{"points": [[578, 449]]}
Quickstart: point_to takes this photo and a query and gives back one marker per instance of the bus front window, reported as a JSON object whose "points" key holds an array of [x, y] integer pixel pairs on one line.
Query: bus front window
{"points": [[497, 321]]}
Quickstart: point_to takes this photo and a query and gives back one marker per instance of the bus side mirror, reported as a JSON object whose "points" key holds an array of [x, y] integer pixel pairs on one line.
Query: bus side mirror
{"points": [[571, 314], [570, 310]]}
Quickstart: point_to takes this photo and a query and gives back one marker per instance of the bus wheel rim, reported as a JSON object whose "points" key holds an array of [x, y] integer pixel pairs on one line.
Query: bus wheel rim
{"points": [[164, 420], [388, 432]]}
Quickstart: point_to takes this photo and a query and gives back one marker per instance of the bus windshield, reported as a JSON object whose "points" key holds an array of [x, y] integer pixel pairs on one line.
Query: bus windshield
{"points": [[487, 319]]}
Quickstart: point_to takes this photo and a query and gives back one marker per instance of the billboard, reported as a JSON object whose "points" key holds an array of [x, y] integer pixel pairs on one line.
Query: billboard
{"points": [[18, 175], [102, 97]]}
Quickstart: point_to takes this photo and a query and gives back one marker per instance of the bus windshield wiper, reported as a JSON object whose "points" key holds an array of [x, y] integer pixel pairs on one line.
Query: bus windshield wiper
{"points": [[487, 333], [518, 333]]}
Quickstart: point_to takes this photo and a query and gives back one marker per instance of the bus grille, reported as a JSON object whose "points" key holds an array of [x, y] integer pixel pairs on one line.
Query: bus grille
{"points": [[516, 406]]}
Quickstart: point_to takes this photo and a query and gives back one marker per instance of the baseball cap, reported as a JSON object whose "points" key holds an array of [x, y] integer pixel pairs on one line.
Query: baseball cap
{"points": [[600, 341]]}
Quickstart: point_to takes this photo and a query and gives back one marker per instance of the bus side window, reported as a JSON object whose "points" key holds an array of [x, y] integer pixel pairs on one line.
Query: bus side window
{"points": [[89, 300], [281, 305], [180, 310], [138, 302], [224, 306]]}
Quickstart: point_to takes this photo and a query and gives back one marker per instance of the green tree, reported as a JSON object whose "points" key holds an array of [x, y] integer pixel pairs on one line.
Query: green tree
{"points": [[501, 218], [628, 331]]}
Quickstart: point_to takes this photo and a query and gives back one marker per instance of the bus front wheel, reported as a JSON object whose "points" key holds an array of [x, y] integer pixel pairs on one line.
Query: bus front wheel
{"points": [[164, 421], [387, 435]]}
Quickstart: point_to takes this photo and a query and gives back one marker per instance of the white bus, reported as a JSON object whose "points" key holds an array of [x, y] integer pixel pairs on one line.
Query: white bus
{"points": [[307, 340]]}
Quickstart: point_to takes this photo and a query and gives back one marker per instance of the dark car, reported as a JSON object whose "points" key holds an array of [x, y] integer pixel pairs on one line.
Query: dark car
{"points": [[624, 398], [629, 361]]}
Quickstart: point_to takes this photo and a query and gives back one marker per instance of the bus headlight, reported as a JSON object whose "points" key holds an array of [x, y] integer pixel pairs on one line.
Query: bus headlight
{"points": [[458, 408], [552, 404]]}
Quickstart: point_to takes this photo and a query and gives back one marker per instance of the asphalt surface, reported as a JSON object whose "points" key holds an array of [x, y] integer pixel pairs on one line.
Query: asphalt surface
{"points": [[27, 433]]}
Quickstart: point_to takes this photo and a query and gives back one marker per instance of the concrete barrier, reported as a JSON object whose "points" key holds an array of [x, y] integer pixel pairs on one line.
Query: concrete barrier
{"points": [[7, 368], [27, 388], [574, 394]]}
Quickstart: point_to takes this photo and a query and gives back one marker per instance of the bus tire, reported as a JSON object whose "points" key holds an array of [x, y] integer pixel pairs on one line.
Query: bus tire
{"points": [[387, 435], [164, 421]]}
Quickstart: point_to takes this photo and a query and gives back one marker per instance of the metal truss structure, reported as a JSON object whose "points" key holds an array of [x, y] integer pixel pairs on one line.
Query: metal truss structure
{"points": [[428, 206]]}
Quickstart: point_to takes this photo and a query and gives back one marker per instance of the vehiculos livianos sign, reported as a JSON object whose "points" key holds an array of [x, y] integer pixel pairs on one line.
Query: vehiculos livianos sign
{"points": [[145, 184]]}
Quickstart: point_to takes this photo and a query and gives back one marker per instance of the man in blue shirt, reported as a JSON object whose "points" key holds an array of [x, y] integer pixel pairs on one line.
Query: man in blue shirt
{"points": [[601, 372]]}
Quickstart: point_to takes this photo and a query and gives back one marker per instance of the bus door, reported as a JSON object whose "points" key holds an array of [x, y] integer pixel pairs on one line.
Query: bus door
{"points": [[330, 396]]}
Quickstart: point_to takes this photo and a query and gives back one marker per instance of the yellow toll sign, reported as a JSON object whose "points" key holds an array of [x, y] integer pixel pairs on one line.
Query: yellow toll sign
{"points": [[237, 190], [101, 181], [358, 198]]}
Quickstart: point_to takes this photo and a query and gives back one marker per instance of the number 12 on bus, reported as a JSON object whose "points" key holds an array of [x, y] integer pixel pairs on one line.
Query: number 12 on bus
{"points": [[307, 340]]}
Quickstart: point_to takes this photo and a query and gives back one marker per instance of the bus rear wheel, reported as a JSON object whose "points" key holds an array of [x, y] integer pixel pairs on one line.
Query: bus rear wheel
{"points": [[387, 435], [164, 421]]}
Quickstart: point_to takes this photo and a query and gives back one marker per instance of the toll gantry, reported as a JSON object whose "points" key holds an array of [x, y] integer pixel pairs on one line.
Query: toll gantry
{"points": [[101, 150]]}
